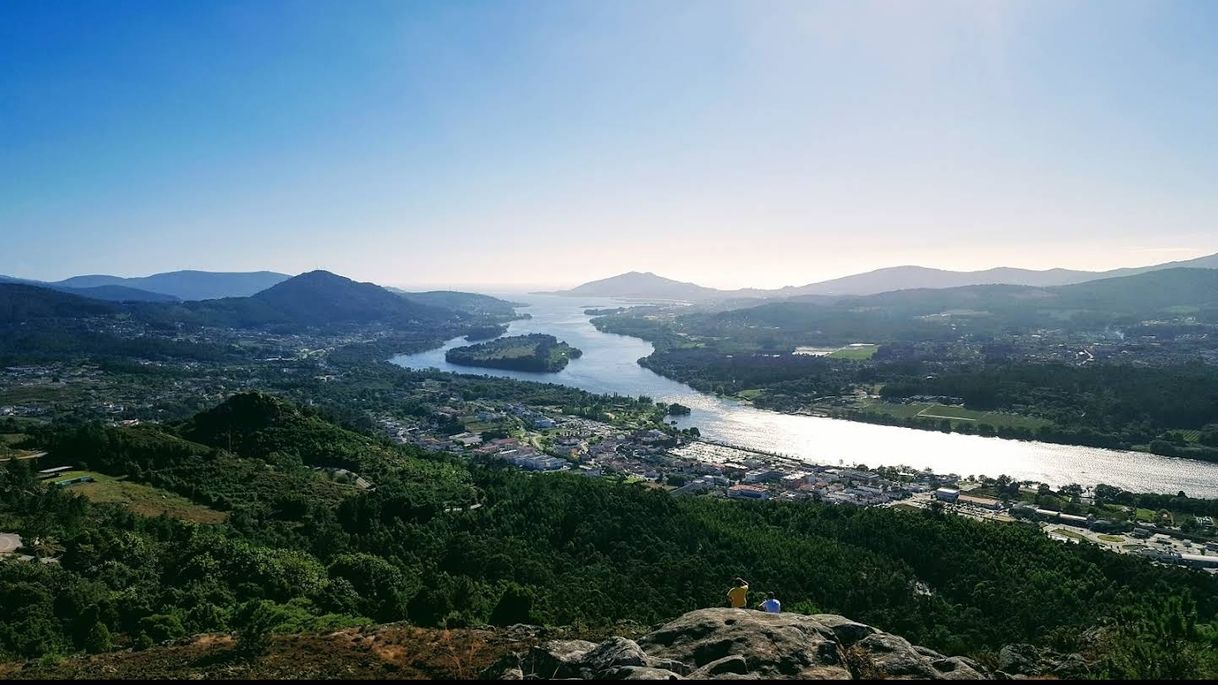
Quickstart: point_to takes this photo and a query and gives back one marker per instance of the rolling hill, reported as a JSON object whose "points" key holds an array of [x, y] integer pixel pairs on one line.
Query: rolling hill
{"points": [[313, 300], [320, 297], [645, 285], [186, 285], [471, 303], [107, 293], [20, 302], [650, 286], [909, 277], [929, 312]]}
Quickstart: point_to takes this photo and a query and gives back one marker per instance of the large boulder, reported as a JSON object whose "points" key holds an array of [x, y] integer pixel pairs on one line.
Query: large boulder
{"points": [[616, 652], [1028, 660], [639, 673], [848, 632], [741, 644], [1019, 658], [882, 656], [770, 645], [557, 658]]}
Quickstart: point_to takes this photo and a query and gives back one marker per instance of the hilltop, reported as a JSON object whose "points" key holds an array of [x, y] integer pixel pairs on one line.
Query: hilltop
{"points": [[321, 528], [645, 285], [320, 297], [708, 644], [20, 302], [311, 300]]}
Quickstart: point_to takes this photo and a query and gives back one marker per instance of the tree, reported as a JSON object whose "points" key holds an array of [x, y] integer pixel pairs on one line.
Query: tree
{"points": [[254, 636], [98, 640], [515, 606], [162, 627], [382, 588]]}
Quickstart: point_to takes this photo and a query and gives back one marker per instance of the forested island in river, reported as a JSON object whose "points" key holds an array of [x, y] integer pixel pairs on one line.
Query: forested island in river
{"points": [[534, 352]]}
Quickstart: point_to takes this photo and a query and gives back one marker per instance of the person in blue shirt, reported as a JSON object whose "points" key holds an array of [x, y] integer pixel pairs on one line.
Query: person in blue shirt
{"points": [[771, 605]]}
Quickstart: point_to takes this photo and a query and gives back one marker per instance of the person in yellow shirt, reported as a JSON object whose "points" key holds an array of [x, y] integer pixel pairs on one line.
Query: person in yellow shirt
{"points": [[738, 596]]}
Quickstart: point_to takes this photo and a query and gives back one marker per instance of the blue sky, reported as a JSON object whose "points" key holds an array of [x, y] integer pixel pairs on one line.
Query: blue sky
{"points": [[732, 143]]}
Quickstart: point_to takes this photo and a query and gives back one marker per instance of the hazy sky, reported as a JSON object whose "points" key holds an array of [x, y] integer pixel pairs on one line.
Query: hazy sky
{"points": [[729, 143]]}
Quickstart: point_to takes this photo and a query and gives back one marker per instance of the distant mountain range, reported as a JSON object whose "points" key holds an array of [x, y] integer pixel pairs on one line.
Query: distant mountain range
{"points": [[1142, 295], [107, 293], [163, 287], [188, 285], [947, 313], [314, 299], [646, 285]]}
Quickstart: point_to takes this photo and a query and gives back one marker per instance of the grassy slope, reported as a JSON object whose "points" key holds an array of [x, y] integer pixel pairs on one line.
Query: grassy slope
{"points": [[141, 499]]}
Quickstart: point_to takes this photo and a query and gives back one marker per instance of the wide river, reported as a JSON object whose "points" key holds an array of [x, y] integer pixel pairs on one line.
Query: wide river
{"points": [[609, 366]]}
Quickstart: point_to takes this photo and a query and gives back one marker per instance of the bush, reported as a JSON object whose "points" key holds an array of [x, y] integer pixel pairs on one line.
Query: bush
{"points": [[162, 627], [99, 639], [805, 607], [515, 606]]}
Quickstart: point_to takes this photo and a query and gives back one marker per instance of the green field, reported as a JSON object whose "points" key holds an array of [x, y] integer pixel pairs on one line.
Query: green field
{"points": [[140, 499], [1189, 435], [1068, 534], [1111, 538], [855, 352], [7, 440], [42, 392], [957, 415], [1145, 515]]}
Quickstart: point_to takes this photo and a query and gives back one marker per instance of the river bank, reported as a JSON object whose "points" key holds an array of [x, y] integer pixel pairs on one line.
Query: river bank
{"points": [[609, 366]]}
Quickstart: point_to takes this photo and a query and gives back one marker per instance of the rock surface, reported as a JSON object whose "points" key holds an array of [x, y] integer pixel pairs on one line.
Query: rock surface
{"points": [[1028, 660], [714, 644]]}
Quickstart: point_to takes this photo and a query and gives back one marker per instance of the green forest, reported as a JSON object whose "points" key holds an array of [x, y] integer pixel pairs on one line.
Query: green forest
{"points": [[303, 550]]}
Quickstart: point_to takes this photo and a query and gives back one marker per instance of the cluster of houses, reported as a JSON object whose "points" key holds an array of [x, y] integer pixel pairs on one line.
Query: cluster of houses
{"points": [[532, 418], [531, 460], [1154, 543], [761, 478], [954, 496], [1165, 549]]}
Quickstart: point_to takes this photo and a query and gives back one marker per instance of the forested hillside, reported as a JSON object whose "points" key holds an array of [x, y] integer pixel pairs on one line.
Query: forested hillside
{"points": [[437, 541]]}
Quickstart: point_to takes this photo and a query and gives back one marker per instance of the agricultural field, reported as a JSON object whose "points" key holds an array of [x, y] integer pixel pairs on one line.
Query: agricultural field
{"points": [[938, 412], [144, 500], [1191, 436], [1145, 515], [855, 352], [8, 445]]}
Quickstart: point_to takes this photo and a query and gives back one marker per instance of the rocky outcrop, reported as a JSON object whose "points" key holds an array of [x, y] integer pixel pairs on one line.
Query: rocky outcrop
{"points": [[1028, 660], [742, 644]]}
